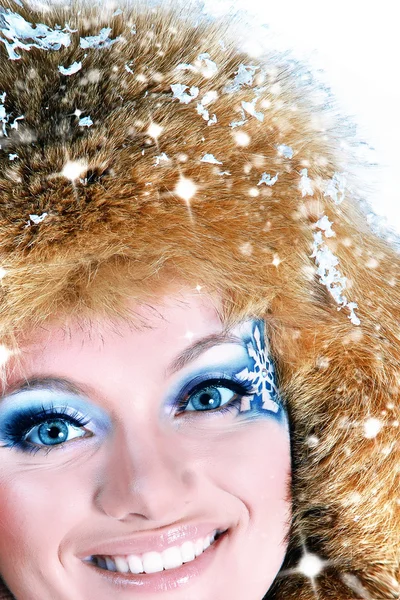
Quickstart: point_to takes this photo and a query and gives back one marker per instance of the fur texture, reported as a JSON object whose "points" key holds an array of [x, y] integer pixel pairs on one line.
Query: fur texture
{"points": [[123, 229]]}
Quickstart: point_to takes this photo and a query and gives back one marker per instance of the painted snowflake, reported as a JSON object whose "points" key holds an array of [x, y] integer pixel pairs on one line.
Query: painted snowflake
{"points": [[261, 376]]}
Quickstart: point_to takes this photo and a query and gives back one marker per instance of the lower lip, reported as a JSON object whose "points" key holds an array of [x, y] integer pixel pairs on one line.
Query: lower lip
{"points": [[163, 581]]}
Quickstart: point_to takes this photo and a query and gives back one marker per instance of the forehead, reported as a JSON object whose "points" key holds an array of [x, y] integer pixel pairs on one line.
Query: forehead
{"points": [[158, 332]]}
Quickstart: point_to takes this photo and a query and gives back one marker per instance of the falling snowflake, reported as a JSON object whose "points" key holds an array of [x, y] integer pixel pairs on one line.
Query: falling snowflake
{"points": [[178, 91], [15, 28], [36, 219], [13, 156], [101, 40], [210, 158], [336, 187], [266, 178], [85, 122], [74, 68], [261, 376], [211, 67], [161, 157], [286, 151], [305, 184], [372, 427], [250, 107], [244, 76], [329, 275]]}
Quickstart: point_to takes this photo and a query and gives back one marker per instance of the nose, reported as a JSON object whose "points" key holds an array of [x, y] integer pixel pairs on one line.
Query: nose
{"points": [[147, 476]]}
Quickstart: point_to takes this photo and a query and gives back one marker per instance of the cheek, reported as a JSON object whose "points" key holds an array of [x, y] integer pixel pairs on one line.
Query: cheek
{"points": [[37, 508], [254, 466]]}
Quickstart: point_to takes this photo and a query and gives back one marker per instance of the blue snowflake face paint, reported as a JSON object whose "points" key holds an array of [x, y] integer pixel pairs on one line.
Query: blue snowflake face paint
{"points": [[237, 378]]}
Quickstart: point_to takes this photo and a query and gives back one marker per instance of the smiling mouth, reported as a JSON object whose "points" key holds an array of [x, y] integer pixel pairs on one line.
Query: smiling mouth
{"points": [[154, 562]]}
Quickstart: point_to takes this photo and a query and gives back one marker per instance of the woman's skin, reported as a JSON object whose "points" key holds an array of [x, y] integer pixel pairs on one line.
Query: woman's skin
{"points": [[141, 474]]}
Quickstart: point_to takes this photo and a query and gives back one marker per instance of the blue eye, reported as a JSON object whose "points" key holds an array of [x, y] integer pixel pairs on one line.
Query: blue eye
{"points": [[215, 395], [53, 432]]}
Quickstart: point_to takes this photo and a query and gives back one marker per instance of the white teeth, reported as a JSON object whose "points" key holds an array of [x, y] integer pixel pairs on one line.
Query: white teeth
{"points": [[172, 558], [135, 564], [121, 564], [198, 547], [153, 562], [187, 551]]}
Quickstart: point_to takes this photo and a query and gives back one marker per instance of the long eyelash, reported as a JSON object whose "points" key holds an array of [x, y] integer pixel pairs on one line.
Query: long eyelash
{"points": [[23, 422], [242, 388]]}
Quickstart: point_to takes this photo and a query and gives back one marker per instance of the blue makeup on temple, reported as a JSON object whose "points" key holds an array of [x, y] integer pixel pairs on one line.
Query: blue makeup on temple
{"points": [[233, 377]]}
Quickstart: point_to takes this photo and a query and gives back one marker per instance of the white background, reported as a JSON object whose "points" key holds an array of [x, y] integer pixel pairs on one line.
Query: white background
{"points": [[357, 44]]}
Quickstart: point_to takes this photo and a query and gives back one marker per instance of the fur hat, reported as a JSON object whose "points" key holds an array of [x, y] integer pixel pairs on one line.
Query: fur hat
{"points": [[155, 151]]}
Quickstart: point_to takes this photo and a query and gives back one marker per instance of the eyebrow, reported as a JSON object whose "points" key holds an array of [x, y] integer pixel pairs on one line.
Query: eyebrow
{"points": [[194, 350], [60, 384]]}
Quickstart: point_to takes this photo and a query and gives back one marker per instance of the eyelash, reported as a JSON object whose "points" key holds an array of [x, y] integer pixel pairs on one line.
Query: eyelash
{"points": [[16, 429], [24, 422], [242, 388]]}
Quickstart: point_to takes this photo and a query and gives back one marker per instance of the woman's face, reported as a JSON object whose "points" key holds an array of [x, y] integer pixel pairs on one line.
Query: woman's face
{"points": [[125, 450]]}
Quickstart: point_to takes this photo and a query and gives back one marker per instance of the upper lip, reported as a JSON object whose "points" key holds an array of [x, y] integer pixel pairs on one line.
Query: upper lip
{"points": [[142, 542]]}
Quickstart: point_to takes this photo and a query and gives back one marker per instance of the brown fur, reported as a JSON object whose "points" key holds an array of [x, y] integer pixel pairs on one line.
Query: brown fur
{"points": [[123, 232]]}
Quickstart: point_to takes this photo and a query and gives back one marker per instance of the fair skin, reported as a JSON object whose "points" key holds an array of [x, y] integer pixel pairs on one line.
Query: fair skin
{"points": [[141, 476]]}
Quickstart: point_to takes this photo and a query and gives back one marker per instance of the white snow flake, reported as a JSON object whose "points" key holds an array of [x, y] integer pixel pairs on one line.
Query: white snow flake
{"points": [[210, 158], [326, 226], [305, 183], [336, 187], [13, 156], [286, 151], [266, 178], [74, 68], [329, 275], [178, 91], [161, 157], [36, 219], [372, 427], [85, 122], [260, 376], [101, 40], [250, 107], [244, 76], [210, 68], [15, 28]]}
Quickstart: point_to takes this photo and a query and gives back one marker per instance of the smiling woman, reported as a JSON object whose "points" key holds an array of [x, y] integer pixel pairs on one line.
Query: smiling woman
{"points": [[199, 349]]}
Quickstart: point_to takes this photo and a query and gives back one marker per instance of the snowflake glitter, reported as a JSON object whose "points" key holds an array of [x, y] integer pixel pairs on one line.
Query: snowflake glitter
{"points": [[74, 68], [15, 28], [372, 427], [336, 188], [161, 158], [210, 68], [329, 275], [241, 138], [36, 219], [261, 375], [244, 76], [266, 178], [285, 151], [210, 158], [101, 40], [178, 91], [250, 107], [185, 188], [305, 184], [73, 169], [85, 122]]}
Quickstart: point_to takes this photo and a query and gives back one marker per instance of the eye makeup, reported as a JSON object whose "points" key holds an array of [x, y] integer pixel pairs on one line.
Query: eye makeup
{"points": [[233, 378], [41, 419]]}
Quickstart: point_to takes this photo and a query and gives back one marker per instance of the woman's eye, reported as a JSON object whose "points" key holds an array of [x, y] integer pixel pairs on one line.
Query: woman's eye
{"points": [[54, 432], [209, 398]]}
